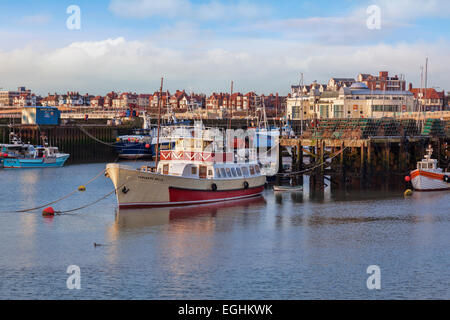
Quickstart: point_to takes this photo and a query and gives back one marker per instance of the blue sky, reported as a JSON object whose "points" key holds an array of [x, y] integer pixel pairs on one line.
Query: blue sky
{"points": [[202, 45]]}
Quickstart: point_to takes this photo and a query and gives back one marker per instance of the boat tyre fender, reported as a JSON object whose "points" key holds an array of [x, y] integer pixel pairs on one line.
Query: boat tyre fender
{"points": [[245, 185], [446, 178], [214, 187]]}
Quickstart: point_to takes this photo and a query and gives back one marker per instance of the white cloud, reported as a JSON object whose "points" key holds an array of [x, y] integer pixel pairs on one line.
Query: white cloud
{"points": [[37, 19], [184, 9], [407, 10], [118, 64]]}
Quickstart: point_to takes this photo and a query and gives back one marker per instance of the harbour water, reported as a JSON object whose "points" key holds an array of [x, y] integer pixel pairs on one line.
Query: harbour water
{"points": [[279, 246]]}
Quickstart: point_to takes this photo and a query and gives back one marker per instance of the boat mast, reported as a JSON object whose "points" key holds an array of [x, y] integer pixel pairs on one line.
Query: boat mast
{"points": [[301, 104], [159, 122], [230, 106]]}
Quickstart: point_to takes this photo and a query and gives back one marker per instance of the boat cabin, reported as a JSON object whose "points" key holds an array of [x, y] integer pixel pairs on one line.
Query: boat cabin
{"points": [[428, 164], [196, 158]]}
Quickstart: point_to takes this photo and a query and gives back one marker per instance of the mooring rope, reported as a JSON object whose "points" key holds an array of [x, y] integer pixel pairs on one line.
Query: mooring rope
{"points": [[57, 200], [87, 205], [314, 167], [95, 138]]}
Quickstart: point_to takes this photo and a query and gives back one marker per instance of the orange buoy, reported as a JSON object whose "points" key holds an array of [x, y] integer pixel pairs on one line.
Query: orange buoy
{"points": [[48, 212], [407, 178], [147, 146]]}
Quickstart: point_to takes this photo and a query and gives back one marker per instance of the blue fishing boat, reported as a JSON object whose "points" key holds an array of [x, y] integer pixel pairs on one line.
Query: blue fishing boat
{"points": [[20, 155], [142, 142]]}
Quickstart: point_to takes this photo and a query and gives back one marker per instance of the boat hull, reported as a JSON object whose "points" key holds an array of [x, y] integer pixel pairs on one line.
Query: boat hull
{"points": [[137, 189], [24, 163], [429, 181]]}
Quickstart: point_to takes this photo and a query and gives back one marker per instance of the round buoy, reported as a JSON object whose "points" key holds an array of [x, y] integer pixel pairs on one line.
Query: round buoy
{"points": [[48, 212], [407, 178], [147, 146], [81, 188], [408, 193]]}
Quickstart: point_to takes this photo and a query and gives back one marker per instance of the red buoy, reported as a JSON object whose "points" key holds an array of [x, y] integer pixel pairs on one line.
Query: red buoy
{"points": [[147, 146], [407, 178], [48, 212]]}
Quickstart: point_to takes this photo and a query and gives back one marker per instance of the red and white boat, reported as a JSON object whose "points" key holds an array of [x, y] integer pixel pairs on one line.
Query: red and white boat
{"points": [[428, 177], [192, 173]]}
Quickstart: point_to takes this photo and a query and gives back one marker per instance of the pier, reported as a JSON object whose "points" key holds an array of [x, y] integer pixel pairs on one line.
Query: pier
{"points": [[359, 152]]}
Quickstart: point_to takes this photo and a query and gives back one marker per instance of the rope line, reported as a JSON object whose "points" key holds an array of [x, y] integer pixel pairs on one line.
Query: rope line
{"points": [[314, 167], [87, 205], [57, 200], [95, 138]]}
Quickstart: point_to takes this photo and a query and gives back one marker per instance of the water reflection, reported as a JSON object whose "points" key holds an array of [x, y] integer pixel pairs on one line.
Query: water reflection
{"points": [[128, 219]]}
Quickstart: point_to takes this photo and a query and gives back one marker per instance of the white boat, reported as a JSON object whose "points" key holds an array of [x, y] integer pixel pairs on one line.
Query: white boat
{"points": [[288, 188], [428, 177], [193, 173]]}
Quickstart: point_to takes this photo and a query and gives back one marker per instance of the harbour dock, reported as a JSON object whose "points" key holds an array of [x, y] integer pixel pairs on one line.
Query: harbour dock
{"points": [[360, 151]]}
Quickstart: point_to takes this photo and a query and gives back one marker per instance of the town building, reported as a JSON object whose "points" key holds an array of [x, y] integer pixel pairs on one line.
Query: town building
{"points": [[356, 101], [429, 99], [7, 96], [97, 102], [383, 81]]}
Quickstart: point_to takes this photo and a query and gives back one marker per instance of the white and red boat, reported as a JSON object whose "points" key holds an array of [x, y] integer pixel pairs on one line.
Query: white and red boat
{"points": [[428, 177], [192, 173]]}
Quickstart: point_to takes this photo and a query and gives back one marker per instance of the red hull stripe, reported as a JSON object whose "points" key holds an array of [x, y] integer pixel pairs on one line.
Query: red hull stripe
{"points": [[140, 205], [185, 195]]}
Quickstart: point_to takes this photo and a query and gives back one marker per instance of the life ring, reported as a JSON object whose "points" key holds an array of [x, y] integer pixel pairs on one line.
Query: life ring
{"points": [[245, 185], [446, 179], [214, 187]]}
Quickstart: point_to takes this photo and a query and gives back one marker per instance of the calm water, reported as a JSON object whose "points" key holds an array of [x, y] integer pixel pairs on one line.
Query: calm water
{"points": [[284, 246]]}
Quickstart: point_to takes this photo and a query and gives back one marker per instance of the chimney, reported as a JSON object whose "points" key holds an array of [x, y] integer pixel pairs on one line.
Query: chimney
{"points": [[410, 86]]}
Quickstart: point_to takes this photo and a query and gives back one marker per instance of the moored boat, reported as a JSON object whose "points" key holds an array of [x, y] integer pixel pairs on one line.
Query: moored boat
{"points": [[428, 177], [192, 173], [20, 155], [288, 188]]}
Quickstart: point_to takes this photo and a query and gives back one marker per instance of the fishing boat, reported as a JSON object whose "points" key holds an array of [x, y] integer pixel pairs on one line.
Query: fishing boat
{"points": [[428, 177], [194, 172], [20, 155], [142, 143]]}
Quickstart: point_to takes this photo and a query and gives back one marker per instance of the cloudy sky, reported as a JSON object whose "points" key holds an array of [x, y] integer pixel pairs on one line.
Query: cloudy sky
{"points": [[201, 45]]}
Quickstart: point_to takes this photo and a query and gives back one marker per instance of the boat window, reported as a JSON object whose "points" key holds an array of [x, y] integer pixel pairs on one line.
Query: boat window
{"points": [[257, 169], [166, 169], [239, 172], [210, 172], [202, 172], [233, 172], [217, 173], [194, 170], [252, 170], [222, 171], [245, 171], [228, 172]]}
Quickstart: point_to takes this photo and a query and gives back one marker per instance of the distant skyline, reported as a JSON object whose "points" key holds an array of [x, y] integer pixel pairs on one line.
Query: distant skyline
{"points": [[202, 45]]}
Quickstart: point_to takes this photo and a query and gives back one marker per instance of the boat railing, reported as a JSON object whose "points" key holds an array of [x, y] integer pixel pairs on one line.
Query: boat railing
{"points": [[174, 155]]}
